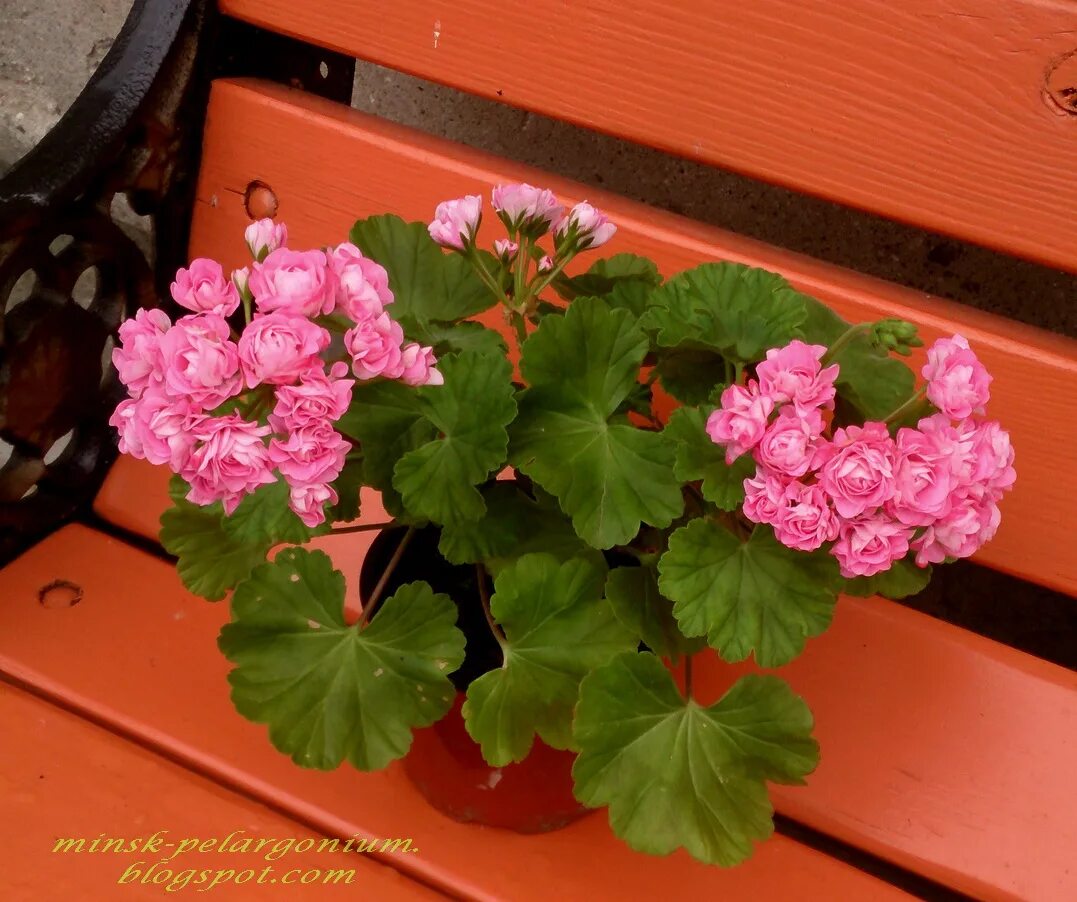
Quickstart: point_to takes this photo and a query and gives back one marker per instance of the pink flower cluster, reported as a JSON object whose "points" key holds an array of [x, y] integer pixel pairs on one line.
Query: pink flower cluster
{"points": [[178, 374], [933, 489]]}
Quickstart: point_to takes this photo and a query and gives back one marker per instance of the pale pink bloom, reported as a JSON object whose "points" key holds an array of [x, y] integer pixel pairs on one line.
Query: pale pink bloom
{"points": [[229, 461], [588, 226], [968, 525], [957, 381], [201, 362], [506, 249], [765, 497], [992, 454], [924, 477], [138, 358], [545, 264], [527, 208], [241, 279], [157, 428], [362, 285], [375, 348], [807, 521], [203, 288], [794, 373], [788, 445], [298, 282], [418, 366], [856, 468], [953, 443], [265, 236], [740, 422], [308, 502], [276, 348], [318, 396], [870, 545], [456, 222], [312, 454]]}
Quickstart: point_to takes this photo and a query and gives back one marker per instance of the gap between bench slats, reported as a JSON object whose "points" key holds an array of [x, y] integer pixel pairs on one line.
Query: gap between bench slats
{"points": [[68, 778], [919, 110], [329, 165], [138, 652]]}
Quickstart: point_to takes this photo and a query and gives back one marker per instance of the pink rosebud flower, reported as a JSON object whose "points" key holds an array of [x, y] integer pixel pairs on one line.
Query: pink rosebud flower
{"points": [[265, 236], [203, 288], [318, 396], [138, 359], [506, 249], [312, 454], [456, 222], [417, 366], [957, 383], [788, 445], [200, 362], [590, 226], [545, 264], [308, 502], [992, 459], [765, 497], [807, 521], [794, 373], [924, 477], [158, 429], [362, 285], [870, 545], [229, 461], [526, 208], [856, 469], [955, 444], [375, 348], [276, 348], [298, 282], [960, 534], [740, 422]]}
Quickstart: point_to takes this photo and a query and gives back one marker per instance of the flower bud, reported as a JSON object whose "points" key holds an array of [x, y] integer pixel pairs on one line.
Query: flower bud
{"points": [[545, 264], [506, 250], [264, 237], [895, 335], [526, 209], [585, 227], [456, 222]]}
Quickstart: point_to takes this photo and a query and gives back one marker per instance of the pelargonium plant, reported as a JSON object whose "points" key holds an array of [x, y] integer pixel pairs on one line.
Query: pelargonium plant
{"points": [[643, 472]]}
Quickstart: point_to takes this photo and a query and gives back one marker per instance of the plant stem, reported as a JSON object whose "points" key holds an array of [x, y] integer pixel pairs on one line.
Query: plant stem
{"points": [[484, 598], [730, 378], [363, 527], [523, 264], [913, 401], [247, 307], [537, 287], [487, 276], [688, 677], [842, 340], [375, 596], [519, 324]]}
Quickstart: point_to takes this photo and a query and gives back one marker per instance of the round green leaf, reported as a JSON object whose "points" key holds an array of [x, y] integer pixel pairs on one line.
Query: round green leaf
{"points": [[698, 458], [641, 607]]}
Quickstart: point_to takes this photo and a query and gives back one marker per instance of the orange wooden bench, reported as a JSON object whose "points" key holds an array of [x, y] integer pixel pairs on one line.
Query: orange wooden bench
{"points": [[947, 763]]}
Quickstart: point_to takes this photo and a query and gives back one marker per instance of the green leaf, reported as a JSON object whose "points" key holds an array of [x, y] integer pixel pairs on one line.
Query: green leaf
{"points": [[428, 284], [641, 607], [747, 596], [451, 338], [329, 691], [902, 580], [607, 475], [513, 525], [700, 458], [557, 628], [347, 486], [678, 775], [470, 412], [873, 382], [211, 561], [691, 374], [607, 274], [737, 310], [263, 518]]}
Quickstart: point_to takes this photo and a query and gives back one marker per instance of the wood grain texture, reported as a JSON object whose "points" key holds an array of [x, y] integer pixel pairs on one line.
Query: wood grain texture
{"points": [[65, 777], [160, 677], [928, 111], [329, 165], [937, 744]]}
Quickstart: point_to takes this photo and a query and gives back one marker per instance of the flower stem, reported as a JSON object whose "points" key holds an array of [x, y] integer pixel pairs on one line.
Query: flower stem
{"points": [[520, 325], [484, 598], [907, 406], [538, 286], [842, 340], [486, 276], [362, 527], [688, 677], [375, 596]]}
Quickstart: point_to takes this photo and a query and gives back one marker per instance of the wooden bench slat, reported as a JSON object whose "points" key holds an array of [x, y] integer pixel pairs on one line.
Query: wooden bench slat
{"points": [[329, 165], [937, 743], [138, 652], [64, 777], [921, 110]]}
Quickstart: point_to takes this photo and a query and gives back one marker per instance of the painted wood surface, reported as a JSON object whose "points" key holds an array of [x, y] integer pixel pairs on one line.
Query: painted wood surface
{"points": [[63, 777], [946, 114], [329, 165], [159, 677]]}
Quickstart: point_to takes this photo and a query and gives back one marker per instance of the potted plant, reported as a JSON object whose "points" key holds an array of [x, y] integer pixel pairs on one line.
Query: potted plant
{"points": [[634, 473]]}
